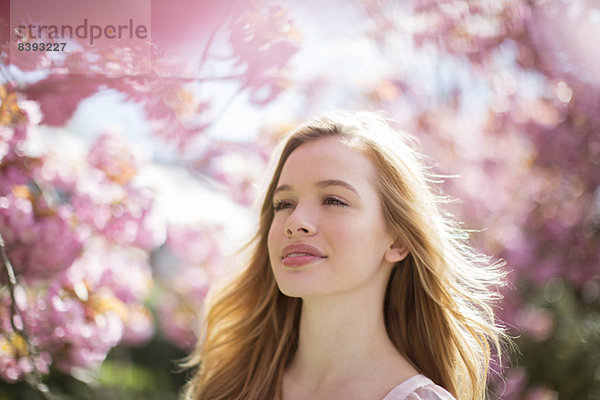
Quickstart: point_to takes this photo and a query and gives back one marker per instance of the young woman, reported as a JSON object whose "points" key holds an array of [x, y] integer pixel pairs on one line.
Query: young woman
{"points": [[357, 286]]}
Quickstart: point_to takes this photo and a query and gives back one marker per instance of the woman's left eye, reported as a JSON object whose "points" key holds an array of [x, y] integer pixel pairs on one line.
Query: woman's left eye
{"points": [[282, 204], [334, 201]]}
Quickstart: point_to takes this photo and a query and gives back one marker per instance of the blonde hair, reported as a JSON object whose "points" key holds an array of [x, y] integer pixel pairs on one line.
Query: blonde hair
{"points": [[438, 302]]}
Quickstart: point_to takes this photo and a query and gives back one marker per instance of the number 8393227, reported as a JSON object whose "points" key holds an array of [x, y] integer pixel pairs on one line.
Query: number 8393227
{"points": [[41, 46]]}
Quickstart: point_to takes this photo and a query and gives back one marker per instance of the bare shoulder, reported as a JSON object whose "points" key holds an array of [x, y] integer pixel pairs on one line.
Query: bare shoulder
{"points": [[418, 387], [430, 393]]}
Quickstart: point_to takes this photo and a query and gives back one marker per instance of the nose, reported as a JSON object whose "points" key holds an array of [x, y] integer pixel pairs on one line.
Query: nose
{"points": [[297, 224]]}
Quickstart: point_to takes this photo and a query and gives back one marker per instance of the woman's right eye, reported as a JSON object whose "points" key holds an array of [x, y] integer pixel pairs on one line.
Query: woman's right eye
{"points": [[282, 204]]}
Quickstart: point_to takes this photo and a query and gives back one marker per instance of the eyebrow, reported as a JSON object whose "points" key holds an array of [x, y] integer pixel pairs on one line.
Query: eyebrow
{"points": [[322, 184]]}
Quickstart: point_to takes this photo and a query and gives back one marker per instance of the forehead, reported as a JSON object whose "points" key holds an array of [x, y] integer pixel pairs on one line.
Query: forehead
{"points": [[328, 158]]}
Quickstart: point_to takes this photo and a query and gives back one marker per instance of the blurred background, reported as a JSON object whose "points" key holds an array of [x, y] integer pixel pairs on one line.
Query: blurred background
{"points": [[128, 174]]}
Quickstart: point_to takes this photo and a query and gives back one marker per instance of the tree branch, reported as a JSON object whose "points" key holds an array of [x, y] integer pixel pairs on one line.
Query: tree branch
{"points": [[34, 378]]}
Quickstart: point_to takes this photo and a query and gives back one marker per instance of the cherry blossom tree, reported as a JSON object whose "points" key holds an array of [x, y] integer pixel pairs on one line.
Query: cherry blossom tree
{"points": [[503, 96], [526, 155], [79, 232]]}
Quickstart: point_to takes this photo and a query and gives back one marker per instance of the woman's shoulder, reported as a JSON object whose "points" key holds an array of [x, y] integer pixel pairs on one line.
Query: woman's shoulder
{"points": [[418, 387]]}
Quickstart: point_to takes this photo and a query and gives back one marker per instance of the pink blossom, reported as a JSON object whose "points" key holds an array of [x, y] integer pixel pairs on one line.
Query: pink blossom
{"points": [[113, 157], [541, 392], [139, 327], [29, 236], [237, 166], [194, 258], [535, 322], [263, 42], [180, 320], [515, 381]]}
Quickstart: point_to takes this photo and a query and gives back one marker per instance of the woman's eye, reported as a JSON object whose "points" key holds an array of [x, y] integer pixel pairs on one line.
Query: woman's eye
{"points": [[334, 201], [280, 205]]}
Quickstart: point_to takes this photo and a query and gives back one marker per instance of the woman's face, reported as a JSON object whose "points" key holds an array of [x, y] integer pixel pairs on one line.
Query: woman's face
{"points": [[328, 235]]}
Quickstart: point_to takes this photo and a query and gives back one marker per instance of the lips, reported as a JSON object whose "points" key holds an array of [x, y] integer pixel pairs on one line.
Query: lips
{"points": [[298, 254]]}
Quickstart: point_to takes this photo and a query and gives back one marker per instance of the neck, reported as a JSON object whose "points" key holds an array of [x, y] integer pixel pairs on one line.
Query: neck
{"points": [[340, 336]]}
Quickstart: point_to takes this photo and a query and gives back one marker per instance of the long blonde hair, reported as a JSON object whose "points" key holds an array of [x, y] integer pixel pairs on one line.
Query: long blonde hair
{"points": [[438, 302]]}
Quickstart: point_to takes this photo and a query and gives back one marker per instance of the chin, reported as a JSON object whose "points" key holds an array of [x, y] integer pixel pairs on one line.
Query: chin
{"points": [[303, 283], [303, 291], [293, 289], [290, 293]]}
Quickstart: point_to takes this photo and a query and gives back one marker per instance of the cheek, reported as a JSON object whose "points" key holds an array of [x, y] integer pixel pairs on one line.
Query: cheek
{"points": [[275, 229], [274, 235], [366, 241], [347, 237], [270, 239]]}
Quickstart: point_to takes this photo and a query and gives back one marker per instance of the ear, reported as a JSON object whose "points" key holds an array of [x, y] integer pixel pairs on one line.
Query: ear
{"points": [[396, 252]]}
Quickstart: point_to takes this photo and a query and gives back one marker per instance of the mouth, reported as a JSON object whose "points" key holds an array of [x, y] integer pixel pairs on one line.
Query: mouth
{"points": [[300, 259], [292, 255], [296, 255]]}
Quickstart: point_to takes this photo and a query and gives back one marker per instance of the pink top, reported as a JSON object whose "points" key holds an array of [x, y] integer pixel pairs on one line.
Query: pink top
{"points": [[418, 387]]}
